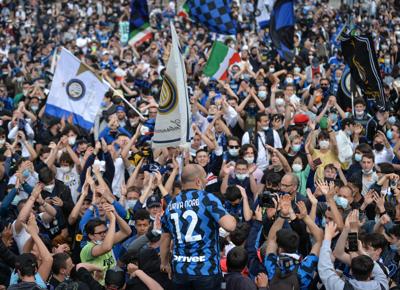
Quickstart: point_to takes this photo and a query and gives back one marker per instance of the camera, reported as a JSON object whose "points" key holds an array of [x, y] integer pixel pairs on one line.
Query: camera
{"points": [[266, 199]]}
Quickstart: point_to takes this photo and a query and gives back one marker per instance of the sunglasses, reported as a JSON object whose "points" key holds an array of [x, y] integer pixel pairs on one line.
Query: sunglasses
{"points": [[102, 232], [234, 147]]}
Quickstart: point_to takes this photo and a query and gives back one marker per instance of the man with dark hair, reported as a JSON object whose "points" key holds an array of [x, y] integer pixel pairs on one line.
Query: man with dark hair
{"points": [[236, 262], [366, 273], [264, 135], [363, 118], [283, 264], [237, 203], [56, 192], [61, 269], [26, 266]]}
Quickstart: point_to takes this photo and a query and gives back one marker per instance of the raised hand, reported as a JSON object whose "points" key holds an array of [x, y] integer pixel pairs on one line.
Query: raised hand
{"points": [[311, 197], [285, 205], [330, 231], [303, 210]]}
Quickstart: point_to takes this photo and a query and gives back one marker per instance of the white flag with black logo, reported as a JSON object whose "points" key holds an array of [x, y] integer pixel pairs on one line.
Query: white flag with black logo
{"points": [[172, 126], [75, 90]]}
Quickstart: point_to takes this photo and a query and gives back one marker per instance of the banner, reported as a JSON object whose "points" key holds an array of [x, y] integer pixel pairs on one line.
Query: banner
{"points": [[282, 28], [75, 90], [359, 54], [263, 12], [216, 15], [172, 126], [139, 22]]}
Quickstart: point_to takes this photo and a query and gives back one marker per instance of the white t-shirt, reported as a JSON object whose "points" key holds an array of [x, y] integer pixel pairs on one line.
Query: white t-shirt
{"points": [[70, 179], [21, 238], [263, 156], [119, 176]]}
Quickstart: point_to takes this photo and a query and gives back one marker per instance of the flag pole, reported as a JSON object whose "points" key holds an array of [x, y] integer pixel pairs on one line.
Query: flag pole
{"points": [[119, 94]]}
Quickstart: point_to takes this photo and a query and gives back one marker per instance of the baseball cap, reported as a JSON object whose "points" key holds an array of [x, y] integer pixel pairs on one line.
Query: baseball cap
{"points": [[120, 109], [153, 201], [301, 119], [115, 277], [323, 123]]}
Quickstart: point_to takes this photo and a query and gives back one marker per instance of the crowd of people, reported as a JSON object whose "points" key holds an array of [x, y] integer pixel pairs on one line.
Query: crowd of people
{"points": [[286, 184]]}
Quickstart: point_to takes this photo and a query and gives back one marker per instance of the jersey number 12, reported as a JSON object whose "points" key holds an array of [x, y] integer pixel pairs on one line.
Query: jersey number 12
{"points": [[189, 237]]}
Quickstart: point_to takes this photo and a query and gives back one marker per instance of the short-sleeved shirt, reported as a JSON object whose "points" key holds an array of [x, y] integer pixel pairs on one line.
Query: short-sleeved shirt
{"points": [[105, 261], [192, 220], [305, 271], [71, 179]]}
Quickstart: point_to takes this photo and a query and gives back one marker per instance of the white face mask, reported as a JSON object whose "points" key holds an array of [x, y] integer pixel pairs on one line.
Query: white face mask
{"points": [[289, 80], [297, 167], [241, 176], [98, 242], [323, 144], [233, 152], [279, 102], [49, 188], [2, 142], [359, 114], [265, 128], [72, 140], [65, 169], [262, 95], [130, 203], [249, 159]]}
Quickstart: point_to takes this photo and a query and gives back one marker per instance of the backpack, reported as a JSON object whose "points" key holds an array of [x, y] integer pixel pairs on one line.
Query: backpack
{"points": [[348, 286], [289, 281], [269, 138]]}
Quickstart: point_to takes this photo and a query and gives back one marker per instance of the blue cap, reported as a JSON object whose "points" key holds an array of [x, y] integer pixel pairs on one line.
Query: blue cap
{"points": [[120, 108]]}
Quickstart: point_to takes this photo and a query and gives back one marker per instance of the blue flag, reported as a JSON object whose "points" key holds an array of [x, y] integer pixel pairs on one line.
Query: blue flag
{"points": [[282, 28], [213, 14]]}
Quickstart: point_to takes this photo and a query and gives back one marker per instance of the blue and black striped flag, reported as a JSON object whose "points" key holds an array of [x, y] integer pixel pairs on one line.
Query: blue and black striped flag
{"points": [[282, 28], [216, 15]]}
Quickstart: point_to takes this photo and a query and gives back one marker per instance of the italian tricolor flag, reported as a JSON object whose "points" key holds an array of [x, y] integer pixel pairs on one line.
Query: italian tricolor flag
{"points": [[140, 35], [183, 11], [220, 59]]}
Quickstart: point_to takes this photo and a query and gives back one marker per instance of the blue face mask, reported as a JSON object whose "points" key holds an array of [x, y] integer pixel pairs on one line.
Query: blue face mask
{"points": [[26, 173], [358, 157], [323, 222], [389, 134], [341, 201], [296, 147]]}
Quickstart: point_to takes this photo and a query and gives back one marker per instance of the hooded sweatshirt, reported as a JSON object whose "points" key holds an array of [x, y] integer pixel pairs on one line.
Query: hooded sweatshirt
{"points": [[332, 281]]}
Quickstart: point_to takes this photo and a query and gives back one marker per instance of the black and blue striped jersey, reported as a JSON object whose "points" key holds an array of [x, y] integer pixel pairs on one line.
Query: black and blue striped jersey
{"points": [[192, 220]]}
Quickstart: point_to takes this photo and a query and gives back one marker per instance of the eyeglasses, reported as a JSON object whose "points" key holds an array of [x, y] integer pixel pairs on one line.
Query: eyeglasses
{"points": [[285, 185], [234, 147], [152, 112], [102, 232]]}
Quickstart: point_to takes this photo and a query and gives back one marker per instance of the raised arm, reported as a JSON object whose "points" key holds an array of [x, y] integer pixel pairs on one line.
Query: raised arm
{"points": [[45, 256], [108, 242], [27, 208], [315, 231]]}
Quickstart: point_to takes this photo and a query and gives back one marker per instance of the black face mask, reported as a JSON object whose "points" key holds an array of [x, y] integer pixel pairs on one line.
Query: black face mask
{"points": [[378, 146]]}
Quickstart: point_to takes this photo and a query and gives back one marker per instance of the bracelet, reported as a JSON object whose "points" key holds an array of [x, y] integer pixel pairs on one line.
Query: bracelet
{"points": [[284, 217], [382, 213]]}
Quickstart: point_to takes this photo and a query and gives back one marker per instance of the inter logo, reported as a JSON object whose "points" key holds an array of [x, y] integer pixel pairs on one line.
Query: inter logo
{"points": [[168, 96], [75, 89]]}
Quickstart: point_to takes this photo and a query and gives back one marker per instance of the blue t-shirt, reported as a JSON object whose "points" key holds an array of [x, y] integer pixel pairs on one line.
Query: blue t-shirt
{"points": [[305, 271], [192, 220]]}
